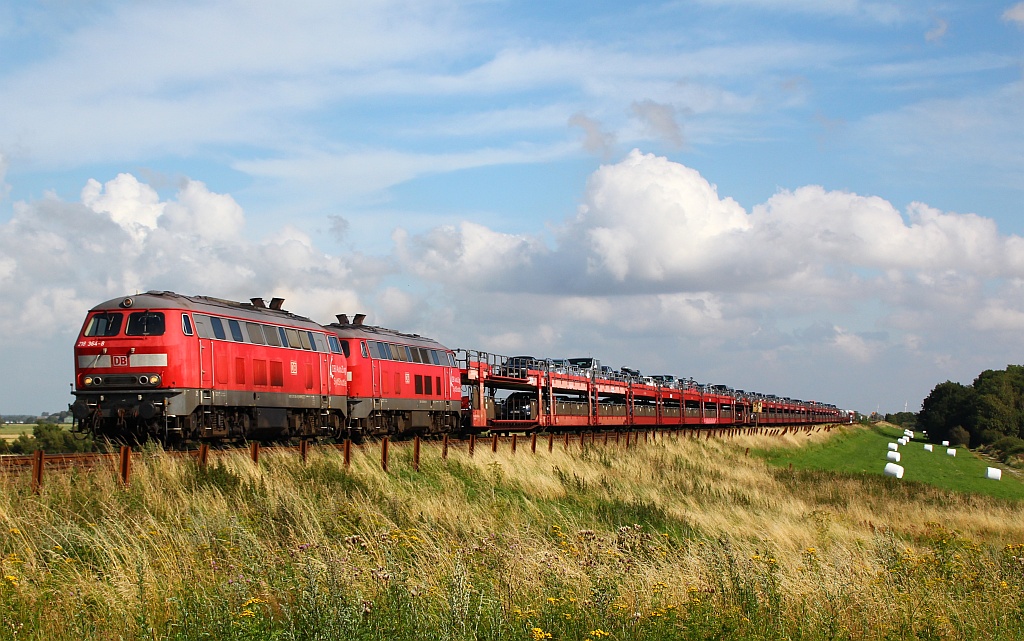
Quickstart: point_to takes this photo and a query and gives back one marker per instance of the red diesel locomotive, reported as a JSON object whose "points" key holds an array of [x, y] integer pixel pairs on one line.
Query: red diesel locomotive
{"points": [[180, 368]]}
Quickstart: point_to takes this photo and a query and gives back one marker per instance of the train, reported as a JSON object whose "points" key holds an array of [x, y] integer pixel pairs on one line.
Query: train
{"points": [[180, 369]]}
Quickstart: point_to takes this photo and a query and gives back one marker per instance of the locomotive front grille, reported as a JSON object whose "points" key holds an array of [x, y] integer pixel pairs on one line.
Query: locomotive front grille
{"points": [[120, 380]]}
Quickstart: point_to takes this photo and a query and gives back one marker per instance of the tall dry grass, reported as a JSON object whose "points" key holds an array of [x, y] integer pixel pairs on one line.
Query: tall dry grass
{"points": [[673, 538]]}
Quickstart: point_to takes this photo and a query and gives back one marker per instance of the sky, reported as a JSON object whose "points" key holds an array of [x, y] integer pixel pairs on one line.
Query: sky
{"points": [[821, 200]]}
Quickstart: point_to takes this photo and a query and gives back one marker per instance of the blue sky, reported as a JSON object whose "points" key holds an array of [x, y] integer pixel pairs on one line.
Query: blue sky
{"points": [[820, 200]]}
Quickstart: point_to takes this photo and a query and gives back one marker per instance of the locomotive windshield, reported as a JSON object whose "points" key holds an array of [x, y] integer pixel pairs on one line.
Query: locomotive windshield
{"points": [[145, 324], [104, 324]]}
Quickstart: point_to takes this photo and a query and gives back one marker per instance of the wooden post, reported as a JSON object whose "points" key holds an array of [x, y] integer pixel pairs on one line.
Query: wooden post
{"points": [[348, 453], [384, 454], [444, 448], [494, 443], [514, 443], [126, 464], [551, 441], [583, 440], [416, 454], [567, 440], [204, 455], [37, 471], [303, 449], [605, 438], [533, 443], [254, 452], [472, 444]]}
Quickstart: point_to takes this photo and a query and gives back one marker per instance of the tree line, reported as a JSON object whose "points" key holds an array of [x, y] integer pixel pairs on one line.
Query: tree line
{"points": [[987, 413]]}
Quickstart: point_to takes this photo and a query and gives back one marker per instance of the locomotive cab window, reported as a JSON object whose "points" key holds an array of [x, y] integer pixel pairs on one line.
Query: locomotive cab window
{"points": [[104, 324], [145, 324], [186, 325]]}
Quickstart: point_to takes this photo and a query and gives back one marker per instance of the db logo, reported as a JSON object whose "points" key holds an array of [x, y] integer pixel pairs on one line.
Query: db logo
{"points": [[119, 361]]}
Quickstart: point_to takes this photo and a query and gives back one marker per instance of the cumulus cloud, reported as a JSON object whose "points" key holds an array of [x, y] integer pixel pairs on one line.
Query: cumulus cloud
{"points": [[60, 258], [657, 262]]}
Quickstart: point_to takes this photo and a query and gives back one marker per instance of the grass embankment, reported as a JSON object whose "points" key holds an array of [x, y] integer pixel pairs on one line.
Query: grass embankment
{"points": [[863, 451], [673, 539]]}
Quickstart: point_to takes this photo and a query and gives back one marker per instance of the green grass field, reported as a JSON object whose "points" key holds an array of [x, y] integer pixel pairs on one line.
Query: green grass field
{"points": [[11, 431], [864, 451]]}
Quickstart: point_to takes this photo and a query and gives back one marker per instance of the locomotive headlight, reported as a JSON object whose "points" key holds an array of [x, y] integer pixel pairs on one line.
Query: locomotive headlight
{"points": [[143, 380], [97, 380], [87, 380], [154, 380]]}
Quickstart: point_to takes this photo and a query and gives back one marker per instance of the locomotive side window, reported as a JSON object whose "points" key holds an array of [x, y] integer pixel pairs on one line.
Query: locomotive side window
{"points": [[218, 328], [273, 338], [304, 338], [203, 326], [293, 338], [374, 349], [255, 332], [434, 358], [186, 325], [451, 359], [345, 349], [362, 348], [318, 343], [236, 331], [104, 324], [145, 324], [333, 341], [428, 385]]}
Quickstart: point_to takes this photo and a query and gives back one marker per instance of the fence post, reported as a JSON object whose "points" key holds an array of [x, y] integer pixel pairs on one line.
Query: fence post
{"points": [[566, 440], [254, 452], [551, 441], [444, 448], [384, 454], [37, 471], [348, 453], [472, 444], [514, 443], [533, 443], [494, 442], [126, 464], [303, 449], [204, 455], [416, 454]]}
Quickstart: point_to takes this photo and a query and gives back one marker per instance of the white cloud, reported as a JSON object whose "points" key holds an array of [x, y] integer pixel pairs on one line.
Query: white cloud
{"points": [[1015, 14]]}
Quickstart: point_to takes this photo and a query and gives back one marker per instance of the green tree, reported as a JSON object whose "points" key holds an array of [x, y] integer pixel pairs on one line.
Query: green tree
{"points": [[947, 406]]}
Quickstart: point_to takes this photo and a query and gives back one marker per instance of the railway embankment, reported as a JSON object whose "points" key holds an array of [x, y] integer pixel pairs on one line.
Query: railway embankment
{"points": [[671, 537]]}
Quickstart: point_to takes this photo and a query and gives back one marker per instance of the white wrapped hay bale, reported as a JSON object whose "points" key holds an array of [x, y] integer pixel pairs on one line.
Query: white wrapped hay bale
{"points": [[893, 447], [928, 447], [951, 451], [891, 469], [945, 443], [908, 434], [994, 473], [893, 456]]}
